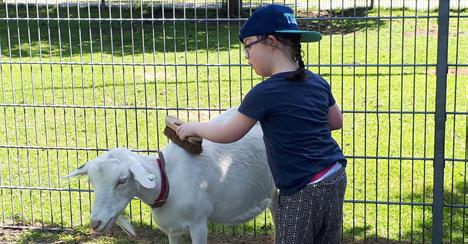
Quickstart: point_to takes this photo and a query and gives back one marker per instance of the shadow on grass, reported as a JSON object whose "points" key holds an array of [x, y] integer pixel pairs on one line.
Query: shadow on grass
{"points": [[190, 30], [454, 225], [350, 234], [356, 236], [455, 218]]}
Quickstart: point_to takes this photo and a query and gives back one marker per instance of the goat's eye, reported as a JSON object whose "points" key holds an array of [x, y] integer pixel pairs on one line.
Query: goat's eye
{"points": [[121, 181]]}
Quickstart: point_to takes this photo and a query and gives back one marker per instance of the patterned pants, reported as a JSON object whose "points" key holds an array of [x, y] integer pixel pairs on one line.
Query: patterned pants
{"points": [[314, 214]]}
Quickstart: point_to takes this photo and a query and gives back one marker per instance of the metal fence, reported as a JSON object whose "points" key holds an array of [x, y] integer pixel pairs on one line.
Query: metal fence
{"points": [[78, 79], [316, 4]]}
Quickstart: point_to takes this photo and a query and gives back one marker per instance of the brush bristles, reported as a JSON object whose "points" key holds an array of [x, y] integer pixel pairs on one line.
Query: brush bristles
{"points": [[189, 147]]}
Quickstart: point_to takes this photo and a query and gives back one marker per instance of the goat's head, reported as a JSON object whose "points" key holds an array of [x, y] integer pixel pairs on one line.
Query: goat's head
{"points": [[116, 176]]}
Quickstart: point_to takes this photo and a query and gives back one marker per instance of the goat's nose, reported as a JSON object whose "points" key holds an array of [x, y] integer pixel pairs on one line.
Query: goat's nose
{"points": [[95, 224]]}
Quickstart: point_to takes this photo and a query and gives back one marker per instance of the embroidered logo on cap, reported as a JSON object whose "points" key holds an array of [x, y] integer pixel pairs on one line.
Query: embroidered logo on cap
{"points": [[290, 17]]}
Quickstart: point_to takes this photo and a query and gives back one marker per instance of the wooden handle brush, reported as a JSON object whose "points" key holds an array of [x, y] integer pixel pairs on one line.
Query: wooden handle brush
{"points": [[193, 144]]}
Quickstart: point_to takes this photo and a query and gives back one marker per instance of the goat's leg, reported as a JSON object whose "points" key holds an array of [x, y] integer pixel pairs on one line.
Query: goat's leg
{"points": [[199, 233], [273, 208], [175, 238]]}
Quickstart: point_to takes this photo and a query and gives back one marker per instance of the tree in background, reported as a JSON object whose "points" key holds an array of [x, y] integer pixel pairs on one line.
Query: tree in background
{"points": [[233, 7]]}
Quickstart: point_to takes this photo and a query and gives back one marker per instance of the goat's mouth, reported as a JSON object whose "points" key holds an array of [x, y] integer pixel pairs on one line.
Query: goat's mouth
{"points": [[105, 228]]}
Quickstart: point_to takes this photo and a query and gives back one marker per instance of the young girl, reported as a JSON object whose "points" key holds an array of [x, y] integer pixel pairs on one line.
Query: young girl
{"points": [[297, 112]]}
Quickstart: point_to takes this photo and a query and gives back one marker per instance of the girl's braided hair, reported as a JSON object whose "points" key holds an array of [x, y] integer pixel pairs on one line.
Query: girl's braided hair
{"points": [[294, 41]]}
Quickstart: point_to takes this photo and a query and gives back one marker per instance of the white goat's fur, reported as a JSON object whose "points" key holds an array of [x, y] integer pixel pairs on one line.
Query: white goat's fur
{"points": [[226, 184]]}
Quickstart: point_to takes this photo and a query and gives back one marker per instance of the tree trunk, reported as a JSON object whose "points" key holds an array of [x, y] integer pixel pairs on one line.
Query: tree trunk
{"points": [[103, 4], [234, 7]]}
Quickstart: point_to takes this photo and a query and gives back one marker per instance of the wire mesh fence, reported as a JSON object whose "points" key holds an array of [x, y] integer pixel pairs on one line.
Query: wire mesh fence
{"points": [[322, 4], [78, 79]]}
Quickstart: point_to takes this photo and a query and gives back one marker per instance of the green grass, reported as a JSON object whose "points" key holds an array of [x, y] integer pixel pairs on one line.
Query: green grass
{"points": [[114, 90]]}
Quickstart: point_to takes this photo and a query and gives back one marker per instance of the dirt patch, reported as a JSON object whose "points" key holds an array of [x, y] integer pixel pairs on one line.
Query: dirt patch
{"points": [[430, 32], [458, 71], [223, 239], [9, 235], [452, 71], [433, 33]]}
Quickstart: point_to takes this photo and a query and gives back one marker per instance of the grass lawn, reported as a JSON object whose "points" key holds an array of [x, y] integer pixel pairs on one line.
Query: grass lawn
{"points": [[73, 88]]}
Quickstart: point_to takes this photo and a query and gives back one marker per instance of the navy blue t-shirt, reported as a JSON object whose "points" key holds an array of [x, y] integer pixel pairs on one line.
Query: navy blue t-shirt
{"points": [[294, 120]]}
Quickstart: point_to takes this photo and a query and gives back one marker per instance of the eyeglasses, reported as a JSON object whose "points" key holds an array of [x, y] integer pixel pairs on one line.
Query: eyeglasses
{"points": [[247, 47]]}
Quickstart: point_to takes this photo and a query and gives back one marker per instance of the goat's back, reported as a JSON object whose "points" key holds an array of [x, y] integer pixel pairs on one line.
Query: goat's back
{"points": [[230, 181]]}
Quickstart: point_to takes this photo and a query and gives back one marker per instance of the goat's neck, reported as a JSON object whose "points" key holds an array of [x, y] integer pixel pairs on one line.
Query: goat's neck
{"points": [[148, 196]]}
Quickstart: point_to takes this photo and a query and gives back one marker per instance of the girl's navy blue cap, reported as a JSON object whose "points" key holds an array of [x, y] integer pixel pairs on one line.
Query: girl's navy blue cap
{"points": [[273, 18]]}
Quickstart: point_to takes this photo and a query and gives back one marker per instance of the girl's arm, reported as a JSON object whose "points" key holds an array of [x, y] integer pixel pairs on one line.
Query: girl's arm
{"points": [[335, 118], [218, 131]]}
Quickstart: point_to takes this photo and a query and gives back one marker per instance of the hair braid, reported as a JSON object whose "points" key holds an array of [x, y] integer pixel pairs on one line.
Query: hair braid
{"points": [[299, 74], [294, 41]]}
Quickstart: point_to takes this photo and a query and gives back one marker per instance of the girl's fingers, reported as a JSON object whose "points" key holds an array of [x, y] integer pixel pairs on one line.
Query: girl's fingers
{"points": [[179, 131]]}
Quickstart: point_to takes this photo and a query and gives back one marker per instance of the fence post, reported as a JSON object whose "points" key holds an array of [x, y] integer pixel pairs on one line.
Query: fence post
{"points": [[440, 117]]}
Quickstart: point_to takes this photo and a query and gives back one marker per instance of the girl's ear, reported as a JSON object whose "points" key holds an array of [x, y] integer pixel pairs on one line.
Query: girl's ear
{"points": [[272, 41]]}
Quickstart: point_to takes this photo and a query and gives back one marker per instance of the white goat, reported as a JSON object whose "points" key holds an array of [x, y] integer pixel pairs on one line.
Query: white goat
{"points": [[225, 184]]}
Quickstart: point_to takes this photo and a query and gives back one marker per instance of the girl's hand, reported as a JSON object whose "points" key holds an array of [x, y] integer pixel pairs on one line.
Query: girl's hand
{"points": [[218, 131], [186, 129]]}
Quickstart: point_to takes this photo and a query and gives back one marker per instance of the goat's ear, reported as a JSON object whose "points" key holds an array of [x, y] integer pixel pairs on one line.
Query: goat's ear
{"points": [[82, 170], [143, 177], [132, 161]]}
